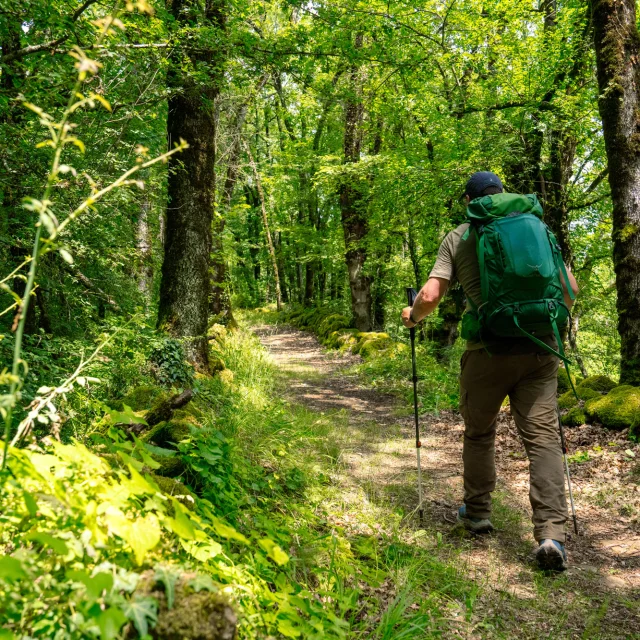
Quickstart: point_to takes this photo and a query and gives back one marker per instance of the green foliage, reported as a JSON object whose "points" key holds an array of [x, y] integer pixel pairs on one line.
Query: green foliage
{"points": [[169, 363]]}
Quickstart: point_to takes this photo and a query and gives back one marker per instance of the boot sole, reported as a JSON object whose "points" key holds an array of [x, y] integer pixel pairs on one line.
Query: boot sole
{"points": [[550, 558], [484, 526]]}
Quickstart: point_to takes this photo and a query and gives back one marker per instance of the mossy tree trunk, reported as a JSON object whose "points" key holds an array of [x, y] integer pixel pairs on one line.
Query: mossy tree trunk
{"points": [[617, 47], [353, 203], [184, 288]]}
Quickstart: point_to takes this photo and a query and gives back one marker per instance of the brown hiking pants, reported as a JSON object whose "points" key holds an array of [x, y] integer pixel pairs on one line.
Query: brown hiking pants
{"points": [[530, 382]]}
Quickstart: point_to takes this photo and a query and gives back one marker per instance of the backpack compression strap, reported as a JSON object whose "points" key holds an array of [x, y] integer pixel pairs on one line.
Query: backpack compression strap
{"points": [[560, 352]]}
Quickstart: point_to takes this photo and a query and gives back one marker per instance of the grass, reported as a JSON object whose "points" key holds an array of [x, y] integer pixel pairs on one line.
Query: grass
{"points": [[397, 579]]}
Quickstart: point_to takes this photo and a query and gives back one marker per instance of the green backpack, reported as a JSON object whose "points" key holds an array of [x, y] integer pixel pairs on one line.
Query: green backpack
{"points": [[520, 264]]}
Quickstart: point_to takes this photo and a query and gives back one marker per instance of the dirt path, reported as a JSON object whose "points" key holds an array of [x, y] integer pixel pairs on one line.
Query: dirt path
{"points": [[378, 455]]}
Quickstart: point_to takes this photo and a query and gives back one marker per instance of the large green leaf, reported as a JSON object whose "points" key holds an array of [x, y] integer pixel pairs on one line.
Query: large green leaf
{"points": [[110, 622]]}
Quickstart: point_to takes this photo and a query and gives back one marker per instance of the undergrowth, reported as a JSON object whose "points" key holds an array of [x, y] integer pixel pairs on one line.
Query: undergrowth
{"points": [[92, 528]]}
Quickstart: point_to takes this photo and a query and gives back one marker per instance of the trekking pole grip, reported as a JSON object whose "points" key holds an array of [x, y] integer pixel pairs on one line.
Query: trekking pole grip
{"points": [[412, 294]]}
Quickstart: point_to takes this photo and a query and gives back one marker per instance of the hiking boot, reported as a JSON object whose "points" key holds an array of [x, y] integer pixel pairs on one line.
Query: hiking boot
{"points": [[551, 555], [475, 525]]}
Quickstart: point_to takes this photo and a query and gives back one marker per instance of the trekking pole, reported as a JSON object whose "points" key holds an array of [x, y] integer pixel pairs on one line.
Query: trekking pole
{"points": [[566, 468], [411, 296]]}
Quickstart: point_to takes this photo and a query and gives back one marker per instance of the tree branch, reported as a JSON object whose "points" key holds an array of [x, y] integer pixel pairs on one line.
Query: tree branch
{"points": [[34, 48]]}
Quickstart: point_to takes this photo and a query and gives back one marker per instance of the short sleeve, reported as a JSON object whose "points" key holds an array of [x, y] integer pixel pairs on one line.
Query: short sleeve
{"points": [[444, 266]]}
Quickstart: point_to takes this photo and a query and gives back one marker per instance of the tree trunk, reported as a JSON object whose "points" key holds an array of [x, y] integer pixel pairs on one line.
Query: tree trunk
{"points": [[184, 288], [267, 231], [562, 153], [617, 46], [352, 204], [145, 252]]}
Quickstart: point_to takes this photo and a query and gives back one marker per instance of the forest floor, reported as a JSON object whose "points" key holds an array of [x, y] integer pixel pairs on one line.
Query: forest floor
{"points": [[375, 473]]}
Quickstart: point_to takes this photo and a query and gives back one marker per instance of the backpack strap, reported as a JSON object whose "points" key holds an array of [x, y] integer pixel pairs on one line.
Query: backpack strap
{"points": [[484, 276], [560, 352]]}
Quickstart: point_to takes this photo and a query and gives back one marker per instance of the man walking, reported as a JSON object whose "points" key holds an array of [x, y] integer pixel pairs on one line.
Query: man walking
{"points": [[505, 356]]}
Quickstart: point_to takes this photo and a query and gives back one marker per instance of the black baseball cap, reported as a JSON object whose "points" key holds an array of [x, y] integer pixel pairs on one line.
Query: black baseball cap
{"points": [[479, 181]]}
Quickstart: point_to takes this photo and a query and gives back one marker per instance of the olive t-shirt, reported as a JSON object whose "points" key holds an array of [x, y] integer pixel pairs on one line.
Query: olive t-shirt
{"points": [[457, 261]]}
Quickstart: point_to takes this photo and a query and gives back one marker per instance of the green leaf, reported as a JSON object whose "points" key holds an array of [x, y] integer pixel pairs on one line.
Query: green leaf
{"points": [[181, 525], [110, 622], [95, 585], [168, 577], [286, 628], [137, 484], [143, 536], [228, 532], [11, 568], [204, 552], [30, 503], [5, 634], [274, 551], [68, 258], [126, 416], [141, 611], [47, 540], [202, 581]]}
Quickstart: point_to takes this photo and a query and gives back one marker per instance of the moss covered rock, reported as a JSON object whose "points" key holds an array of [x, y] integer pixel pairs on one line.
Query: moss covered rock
{"points": [[331, 323], [141, 398], [170, 467], [175, 489], [568, 400], [619, 409], [563, 380], [375, 345], [170, 432], [197, 613], [598, 383], [346, 338], [191, 413], [368, 342], [575, 417]]}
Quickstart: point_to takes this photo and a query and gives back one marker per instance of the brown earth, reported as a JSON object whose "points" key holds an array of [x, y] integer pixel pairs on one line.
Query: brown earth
{"points": [[379, 457]]}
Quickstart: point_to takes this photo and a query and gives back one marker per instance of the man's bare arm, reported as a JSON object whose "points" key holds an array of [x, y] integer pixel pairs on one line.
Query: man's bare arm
{"points": [[574, 287], [426, 301]]}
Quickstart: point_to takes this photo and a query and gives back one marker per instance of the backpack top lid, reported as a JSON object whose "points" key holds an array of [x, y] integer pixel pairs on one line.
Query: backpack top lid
{"points": [[488, 208]]}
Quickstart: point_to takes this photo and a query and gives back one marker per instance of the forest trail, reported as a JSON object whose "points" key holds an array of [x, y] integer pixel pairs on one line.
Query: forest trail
{"points": [[378, 462]]}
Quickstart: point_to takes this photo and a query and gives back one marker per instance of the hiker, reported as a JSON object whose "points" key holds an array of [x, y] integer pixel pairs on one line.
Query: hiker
{"points": [[513, 349]]}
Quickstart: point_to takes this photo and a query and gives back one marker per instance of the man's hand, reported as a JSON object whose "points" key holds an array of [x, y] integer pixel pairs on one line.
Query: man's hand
{"points": [[426, 301], [406, 318]]}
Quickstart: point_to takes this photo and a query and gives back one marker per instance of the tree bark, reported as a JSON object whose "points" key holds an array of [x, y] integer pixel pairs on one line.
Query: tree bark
{"points": [[145, 252], [617, 46], [184, 288], [352, 203], [267, 231]]}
